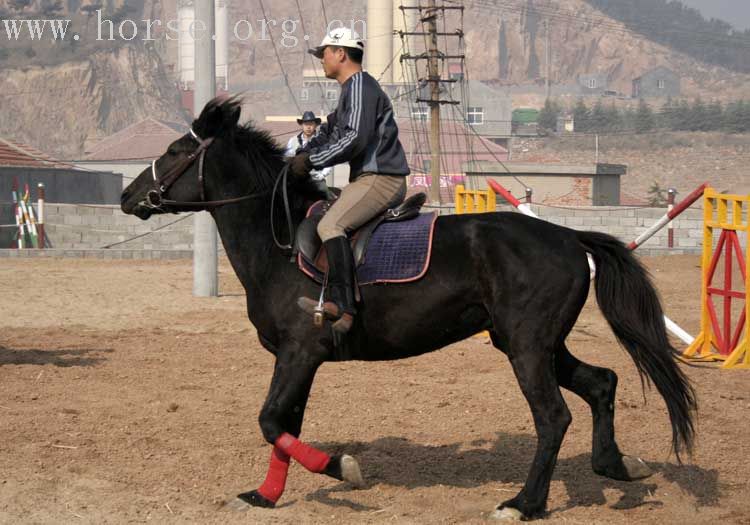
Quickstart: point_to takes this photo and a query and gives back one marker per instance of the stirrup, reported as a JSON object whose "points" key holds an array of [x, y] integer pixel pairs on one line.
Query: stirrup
{"points": [[342, 322], [314, 308]]}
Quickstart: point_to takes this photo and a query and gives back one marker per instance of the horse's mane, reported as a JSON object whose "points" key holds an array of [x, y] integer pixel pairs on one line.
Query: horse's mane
{"points": [[263, 152]]}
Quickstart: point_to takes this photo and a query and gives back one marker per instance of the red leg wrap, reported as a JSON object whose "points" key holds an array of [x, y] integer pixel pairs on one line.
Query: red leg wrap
{"points": [[275, 482], [311, 458]]}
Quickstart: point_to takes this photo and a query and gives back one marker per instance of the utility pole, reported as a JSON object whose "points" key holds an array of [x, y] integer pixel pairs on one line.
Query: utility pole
{"points": [[546, 57], [205, 239], [434, 79], [433, 55]]}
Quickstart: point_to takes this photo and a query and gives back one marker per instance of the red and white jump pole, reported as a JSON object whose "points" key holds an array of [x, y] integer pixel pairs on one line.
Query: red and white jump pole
{"points": [[40, 210], [526, 210], [671, 214], [671, 193], [18, 215]]}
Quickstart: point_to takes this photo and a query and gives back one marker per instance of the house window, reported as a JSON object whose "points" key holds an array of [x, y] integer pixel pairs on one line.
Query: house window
{"points": [[427, 165], [592, 83], [475, 115], [660, 84], [419, 113], [331, 94], [304, 94]]}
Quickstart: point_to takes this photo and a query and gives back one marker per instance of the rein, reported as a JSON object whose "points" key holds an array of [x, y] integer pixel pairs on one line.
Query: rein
{"points": [[155, 198]]}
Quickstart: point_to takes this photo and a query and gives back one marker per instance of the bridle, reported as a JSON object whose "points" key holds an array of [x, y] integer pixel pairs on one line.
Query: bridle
{"points": [[155, 197]]}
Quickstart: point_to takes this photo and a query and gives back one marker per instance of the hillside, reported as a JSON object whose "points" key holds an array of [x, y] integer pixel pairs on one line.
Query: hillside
{"points": [[90, 88], [683, 28], [64, 93], [508, 43], [670, 159]]}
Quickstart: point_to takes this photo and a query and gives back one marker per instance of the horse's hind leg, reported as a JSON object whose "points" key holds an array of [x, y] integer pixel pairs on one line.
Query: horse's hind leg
{"points": [[597, 387], [533, 366]]}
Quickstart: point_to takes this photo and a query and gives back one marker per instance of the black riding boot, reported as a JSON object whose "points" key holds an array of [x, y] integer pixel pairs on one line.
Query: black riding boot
{"points": [[340, 304]]}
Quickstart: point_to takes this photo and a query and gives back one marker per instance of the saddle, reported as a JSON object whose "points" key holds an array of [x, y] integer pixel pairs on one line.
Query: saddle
{"points": [[404, 223]]}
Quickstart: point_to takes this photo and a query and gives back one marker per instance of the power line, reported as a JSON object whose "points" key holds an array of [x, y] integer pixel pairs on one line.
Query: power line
{"points": [[325, 16], [278, 59], [148, 232], [312, 59]]}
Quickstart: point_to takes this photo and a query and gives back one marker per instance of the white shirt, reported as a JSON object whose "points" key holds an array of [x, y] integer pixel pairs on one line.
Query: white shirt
{"points": [[299, 141]]}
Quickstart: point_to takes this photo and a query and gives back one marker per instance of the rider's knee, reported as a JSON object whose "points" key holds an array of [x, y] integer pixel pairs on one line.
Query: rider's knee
{"points": [[329, 229]]}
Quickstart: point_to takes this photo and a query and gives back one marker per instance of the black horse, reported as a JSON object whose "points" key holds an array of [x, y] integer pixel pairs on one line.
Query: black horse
{"points": [[522, 279]]}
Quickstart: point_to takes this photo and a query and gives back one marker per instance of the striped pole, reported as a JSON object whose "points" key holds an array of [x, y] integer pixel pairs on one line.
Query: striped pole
{"points": [[670, 227], [29, 211], [17, 213], [40, 209], [671, 214], [26, 221], [526, 210]]}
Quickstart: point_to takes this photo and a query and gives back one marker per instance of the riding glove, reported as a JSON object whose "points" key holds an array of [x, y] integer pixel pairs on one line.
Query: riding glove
{"points": [[300, 165]]}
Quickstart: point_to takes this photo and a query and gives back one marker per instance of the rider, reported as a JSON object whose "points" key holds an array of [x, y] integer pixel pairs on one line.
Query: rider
{"points": [[309, 124], [362, 131]]}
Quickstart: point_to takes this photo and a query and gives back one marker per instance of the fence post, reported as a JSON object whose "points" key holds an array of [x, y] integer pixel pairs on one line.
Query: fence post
{"points": [[670, 227]]}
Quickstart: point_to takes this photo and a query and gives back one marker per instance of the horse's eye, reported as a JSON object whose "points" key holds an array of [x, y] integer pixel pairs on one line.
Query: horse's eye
{"points": [[172, 152]]}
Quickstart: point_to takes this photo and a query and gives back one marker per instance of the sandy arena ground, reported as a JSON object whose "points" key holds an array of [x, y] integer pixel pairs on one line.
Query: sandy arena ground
{"points": [[124, 399]]}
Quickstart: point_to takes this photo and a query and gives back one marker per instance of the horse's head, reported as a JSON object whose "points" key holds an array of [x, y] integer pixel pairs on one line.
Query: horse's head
{"points": [[190, 171]]}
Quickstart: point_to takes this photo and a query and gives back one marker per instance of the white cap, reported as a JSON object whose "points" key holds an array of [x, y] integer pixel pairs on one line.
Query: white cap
{"points": [[339, 37]]}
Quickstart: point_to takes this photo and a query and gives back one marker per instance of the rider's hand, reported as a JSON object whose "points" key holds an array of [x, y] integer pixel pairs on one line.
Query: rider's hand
{"points": [[300, 166]]}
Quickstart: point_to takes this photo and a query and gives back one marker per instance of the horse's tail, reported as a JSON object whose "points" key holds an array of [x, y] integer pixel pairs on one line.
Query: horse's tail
{"points": [[630, 304]]}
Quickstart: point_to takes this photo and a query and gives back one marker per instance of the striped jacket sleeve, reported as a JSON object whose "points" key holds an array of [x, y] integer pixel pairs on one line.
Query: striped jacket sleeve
{"points": [[349, 136]]}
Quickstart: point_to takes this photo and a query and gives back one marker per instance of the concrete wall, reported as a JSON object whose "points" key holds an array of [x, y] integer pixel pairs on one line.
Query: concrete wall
{"points": [[75, 227], [561, 185], [627, 223], [80, 227]]}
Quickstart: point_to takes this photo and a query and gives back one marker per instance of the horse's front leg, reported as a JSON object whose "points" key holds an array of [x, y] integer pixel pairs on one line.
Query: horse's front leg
{"points": [[281, 424]]}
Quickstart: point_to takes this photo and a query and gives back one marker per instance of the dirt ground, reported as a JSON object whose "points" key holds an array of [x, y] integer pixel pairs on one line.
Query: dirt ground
{"points": [[125, 399]]}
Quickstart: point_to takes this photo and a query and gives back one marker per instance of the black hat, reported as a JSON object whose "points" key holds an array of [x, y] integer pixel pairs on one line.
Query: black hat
{"points": [[308, 116]]}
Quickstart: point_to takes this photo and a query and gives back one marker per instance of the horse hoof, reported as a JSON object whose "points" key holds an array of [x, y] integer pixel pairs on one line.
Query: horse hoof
{"points": [[250, 499], [636, 467], [507, 514], [350, 471]]}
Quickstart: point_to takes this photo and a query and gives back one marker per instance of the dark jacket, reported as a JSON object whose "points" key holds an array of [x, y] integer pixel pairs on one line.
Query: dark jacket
{"points": [[362, 131]]}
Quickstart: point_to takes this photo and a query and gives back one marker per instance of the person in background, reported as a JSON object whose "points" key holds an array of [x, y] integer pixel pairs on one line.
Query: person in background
{"points": [[309, 123]]}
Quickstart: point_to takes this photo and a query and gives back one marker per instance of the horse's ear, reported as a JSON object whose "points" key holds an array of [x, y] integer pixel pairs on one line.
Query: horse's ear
{"points": [[219, 115], [233, 117], [209, 123]]}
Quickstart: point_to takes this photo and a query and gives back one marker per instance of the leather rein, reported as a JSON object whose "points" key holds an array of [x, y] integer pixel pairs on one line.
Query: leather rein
{"points": [[155, 197]]}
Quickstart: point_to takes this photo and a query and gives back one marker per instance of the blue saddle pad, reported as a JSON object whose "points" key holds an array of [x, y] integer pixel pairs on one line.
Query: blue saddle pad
{"points": [[398, 252]]}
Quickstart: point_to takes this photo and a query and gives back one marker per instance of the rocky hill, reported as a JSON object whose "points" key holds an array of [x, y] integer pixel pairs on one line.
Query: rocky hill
{"points": [[509, 43], [58, 95], [63, 93]]}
